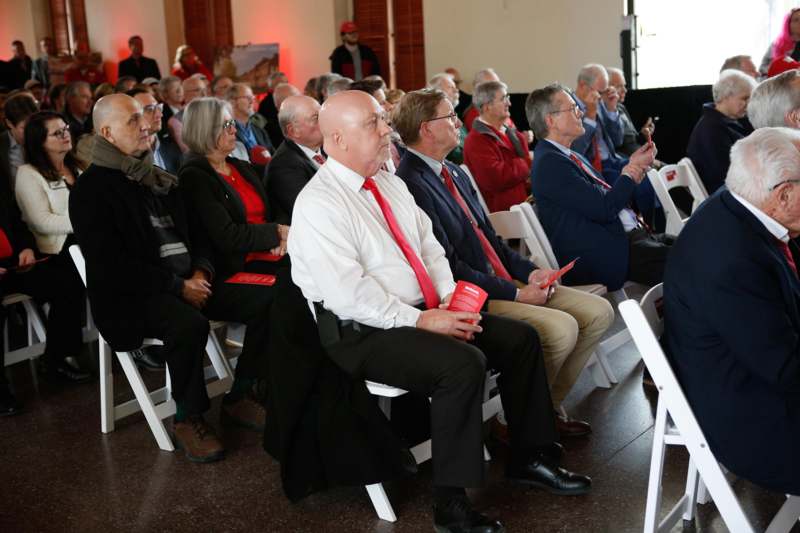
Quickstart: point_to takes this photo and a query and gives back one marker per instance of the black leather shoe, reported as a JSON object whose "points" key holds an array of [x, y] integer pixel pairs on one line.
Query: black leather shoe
{"points": [[540, 473], [148, 359], [9, 406], [554, 452], [65, 371], [458, 516]]}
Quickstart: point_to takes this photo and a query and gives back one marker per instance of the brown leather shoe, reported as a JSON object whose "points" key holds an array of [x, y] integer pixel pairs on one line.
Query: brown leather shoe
{"points": [[246, 412], [198, 440], [569, 427]]}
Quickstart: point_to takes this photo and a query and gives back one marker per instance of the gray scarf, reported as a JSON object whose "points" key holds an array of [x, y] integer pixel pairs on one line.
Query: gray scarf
{"points": [[138, 169]]}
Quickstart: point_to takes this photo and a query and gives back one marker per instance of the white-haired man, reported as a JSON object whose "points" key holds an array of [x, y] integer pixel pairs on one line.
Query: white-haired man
{"points": [[732, 313], [776, 102]]}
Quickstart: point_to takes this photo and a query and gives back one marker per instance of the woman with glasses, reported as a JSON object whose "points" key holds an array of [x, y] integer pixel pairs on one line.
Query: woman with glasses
{"points": [[230, 215], [42, 190]]}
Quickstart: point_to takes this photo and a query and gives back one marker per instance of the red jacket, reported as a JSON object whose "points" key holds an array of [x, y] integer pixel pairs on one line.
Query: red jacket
{"points": [[182, 73], [502, 174]]}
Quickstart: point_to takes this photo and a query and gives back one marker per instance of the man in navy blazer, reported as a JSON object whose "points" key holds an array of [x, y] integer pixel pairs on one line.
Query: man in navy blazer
{"points": [[583, 215], [732, 312], [569, 322]]}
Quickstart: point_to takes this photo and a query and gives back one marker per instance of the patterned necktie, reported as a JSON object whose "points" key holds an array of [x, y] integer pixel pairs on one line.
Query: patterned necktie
{"points": [[424, 280], [319, 159], [787, 253]]}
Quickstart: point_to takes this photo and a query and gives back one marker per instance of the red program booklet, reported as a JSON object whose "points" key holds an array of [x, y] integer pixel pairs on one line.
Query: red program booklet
{"points": [[558, 274], [249, 278], [467, 297]]}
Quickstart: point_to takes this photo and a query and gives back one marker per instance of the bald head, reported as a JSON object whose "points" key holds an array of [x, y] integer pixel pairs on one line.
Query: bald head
{"points": [[118, 119], [355, 131], [282, 92], [299, 121]]}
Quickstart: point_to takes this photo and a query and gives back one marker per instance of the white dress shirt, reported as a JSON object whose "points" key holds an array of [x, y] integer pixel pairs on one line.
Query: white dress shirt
{"points": [[773, 226], [344, 255], [310, 154], [627, 216]]}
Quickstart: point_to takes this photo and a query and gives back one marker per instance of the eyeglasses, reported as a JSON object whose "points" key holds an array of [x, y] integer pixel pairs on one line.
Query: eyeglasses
{"points": [[61, 133], [229, 125], [151, 108], [574, 109], [452, 117], [505, 99], [781, 183], [247, 97]]}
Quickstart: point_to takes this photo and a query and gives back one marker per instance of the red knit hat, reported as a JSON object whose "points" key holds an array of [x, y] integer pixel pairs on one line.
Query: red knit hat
{"points": [[782, 65], [348, 26]]}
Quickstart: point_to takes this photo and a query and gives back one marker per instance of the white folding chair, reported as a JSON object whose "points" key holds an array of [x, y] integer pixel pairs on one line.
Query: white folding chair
{"points": [[36, 333], [676, 425], [667, 178], [156, 405], [477, 189], [517, 224], [421, 452]]}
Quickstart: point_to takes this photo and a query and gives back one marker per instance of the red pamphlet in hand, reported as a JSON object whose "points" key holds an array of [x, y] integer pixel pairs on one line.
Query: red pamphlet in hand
{"points": [[552, 279], [249, 278], [467, 297]]}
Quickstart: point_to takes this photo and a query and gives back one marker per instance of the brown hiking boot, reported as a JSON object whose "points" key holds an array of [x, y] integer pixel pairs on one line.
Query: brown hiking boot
{"points": [[245, 412], [198, 440]]}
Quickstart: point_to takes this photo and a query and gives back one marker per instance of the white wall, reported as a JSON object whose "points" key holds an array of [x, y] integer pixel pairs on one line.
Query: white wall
{"points": [[111, 23], [17, 22], [303, 28], [530, 43]]}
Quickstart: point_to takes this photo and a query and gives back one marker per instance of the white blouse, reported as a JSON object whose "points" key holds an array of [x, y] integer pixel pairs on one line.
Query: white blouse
{"points": [[45, 208]]}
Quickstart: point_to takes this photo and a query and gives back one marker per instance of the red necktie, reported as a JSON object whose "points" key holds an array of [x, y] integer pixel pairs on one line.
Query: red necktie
{"points": [[591, 174], [319, 159], [784, 247], [6, 250], [424, 280], [494, 260], [597, 162]]}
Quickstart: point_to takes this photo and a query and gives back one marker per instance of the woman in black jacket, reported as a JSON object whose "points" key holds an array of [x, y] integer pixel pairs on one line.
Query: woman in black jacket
{"points": [[229, 213]]}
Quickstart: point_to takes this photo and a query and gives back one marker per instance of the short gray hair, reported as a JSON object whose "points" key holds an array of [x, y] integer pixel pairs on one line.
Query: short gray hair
{"points": [[539, 105], [735, 62], [772, 99], [72, 88], [437, 80], [484, 93], [286, 115], [761, 161], [338, 85], [202, 123], [165, 82], [732, 83], [233, 91], [484, 75], [589, 73]]}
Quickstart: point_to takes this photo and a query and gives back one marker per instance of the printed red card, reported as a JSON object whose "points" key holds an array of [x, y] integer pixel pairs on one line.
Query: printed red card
{"points": [[263, 256], [249, 278], [467, 297], [558, 274]]}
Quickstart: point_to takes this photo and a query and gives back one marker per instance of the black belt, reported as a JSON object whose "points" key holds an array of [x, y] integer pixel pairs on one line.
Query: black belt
{"points": [[332, 329]]}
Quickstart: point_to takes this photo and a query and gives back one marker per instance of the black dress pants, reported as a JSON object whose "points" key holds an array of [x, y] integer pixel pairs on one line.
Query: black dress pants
{"points": [[452, 374], [55, 281], [648, 256]]}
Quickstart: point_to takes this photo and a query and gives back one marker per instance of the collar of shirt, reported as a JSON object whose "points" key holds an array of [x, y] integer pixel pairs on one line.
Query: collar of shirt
{"points": [[351, 47], [501, 129], [561, 147], [772, 225], [13, 144], [174, 109], [435, 165], [308, 151], [350, 178]]}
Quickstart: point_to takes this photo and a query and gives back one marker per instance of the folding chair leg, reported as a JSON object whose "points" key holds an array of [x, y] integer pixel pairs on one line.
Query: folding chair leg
{"points": [[702, 492], [786, 517], [653, 505], [598, 373], [381, 502], [106, 387], [145, 402], [692, 491], [486, 455]]}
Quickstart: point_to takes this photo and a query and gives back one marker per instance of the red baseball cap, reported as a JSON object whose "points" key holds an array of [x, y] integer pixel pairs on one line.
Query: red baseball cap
{"points": [[782, 65], [348, 26]]}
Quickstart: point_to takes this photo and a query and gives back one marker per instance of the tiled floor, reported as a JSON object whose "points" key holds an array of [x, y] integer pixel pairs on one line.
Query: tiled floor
{"points": [[59, 473]]}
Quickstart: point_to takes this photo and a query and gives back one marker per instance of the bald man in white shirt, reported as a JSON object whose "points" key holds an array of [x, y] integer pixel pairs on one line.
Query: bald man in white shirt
{"points": [[385, 320]]}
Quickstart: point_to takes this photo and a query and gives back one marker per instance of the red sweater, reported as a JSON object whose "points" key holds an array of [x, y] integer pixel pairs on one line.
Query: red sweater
{"points": [[254, 208], [502, 175]]}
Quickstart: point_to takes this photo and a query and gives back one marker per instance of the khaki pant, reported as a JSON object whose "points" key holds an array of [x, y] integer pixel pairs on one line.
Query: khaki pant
{"points": [[570, 325]]}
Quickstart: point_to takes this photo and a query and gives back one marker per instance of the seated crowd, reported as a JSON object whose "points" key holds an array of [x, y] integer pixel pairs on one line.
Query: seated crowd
{"points": [[360, 208]]}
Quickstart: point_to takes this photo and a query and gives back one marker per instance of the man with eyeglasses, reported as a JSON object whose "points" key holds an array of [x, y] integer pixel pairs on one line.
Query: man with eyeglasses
{"points": [[495, 152], [166, 153], [143, 277], [584, 215], [569, 322], [255, 140], [366, 254], [193, 87], [732, 312]]}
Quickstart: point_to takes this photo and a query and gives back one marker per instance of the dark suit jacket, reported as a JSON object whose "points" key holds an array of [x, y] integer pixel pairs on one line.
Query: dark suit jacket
{"points": [[171, 154], [123, 267], [217, 216], [5, 165], [454, 231], [732, 332], [19, 71], [288, 172], [342, 62], [610, 130], [710, 146], [581, 218], [19, 236], [41, 71], [268, 110], [147, 68]]}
